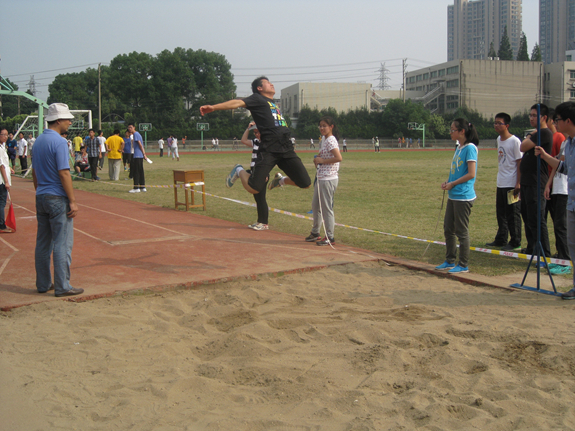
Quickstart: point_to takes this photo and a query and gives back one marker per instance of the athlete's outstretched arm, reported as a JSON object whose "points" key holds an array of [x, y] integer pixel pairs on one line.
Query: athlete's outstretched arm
{"points": [[230, 104]]}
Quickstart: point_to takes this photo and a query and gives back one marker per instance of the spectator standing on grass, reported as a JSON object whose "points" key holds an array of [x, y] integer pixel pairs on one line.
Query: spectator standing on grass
{"points": [[23, 152], [528, 169], [311, 145], [5, 179], [77, 141], [565, 123], [376, 144], [260, 198], [55, 204], [12, 149], [170, 139], [137, 166], [556, 193], [31, 140], [175, 153], [460, 186], [92, 144], [102, 149], [115, 146], [184, 142], [327, 165], [127, 153], [344, 146], [161, 146], [508, 180]]}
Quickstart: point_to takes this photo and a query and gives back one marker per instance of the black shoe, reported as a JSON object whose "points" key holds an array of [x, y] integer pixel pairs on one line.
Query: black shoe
{"points": [[73, 291], [526, 251], [510, 247], [569, 295], [313, 237], [496, 244]]}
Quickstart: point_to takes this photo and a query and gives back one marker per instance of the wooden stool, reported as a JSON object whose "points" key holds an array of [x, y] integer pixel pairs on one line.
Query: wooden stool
{"points": [[189, 177]]}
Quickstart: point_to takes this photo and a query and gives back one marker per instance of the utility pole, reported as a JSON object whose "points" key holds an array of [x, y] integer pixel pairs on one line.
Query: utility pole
{"points": [[404, 68], [99, 98]]}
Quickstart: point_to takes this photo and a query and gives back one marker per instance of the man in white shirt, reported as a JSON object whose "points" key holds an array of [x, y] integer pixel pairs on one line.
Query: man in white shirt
{"points": [[23, 152], [5, 182], [508, 215], [161, 146], [103, 149]]}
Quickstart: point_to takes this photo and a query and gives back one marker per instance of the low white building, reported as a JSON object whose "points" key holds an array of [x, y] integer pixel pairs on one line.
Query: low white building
{"points": [[342, 97], [485, 86]]}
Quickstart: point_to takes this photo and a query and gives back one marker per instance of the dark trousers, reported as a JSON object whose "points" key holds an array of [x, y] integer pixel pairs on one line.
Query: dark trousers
{"points": [[137, 171], [557, 207], [161, 152], [262, 206], [3, 198], [529, 214], [93, 161], [508, 219], [23, 163], [101, 161]]}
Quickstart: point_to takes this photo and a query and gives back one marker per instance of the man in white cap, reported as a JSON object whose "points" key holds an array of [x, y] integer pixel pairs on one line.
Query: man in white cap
{"points": [[55, 204]]}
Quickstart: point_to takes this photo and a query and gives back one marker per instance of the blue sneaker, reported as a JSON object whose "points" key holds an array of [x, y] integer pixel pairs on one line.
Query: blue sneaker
{"points": [[233, 176], [445, 265], [458, 270]]}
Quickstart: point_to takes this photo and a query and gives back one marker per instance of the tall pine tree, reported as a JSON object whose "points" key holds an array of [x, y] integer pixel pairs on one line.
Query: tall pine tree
{"points": [[492, 53], [505, 51], [536, 53], [522, 54]]}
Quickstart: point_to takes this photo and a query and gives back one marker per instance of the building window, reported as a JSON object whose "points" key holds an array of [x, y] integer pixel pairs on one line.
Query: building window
{"points": [[441, 72], [572, 94], [453, 83], [572, 74], [454, 69], [425, 76], [433, 74]]}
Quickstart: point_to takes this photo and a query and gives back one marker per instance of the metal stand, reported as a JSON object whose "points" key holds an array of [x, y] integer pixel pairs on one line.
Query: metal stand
{"points": [[538, 250]]}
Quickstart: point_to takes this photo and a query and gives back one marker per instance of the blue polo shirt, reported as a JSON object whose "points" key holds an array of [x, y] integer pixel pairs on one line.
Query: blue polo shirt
{"points": [[50, 156], [127, 146], [137, 150]]}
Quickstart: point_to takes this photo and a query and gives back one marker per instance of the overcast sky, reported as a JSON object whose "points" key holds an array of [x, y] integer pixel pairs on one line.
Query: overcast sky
{"points": [[289, 40]]}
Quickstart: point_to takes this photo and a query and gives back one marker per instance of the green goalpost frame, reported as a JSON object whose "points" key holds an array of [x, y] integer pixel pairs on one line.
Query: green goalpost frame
{"points": [[417, 126], [9, 91]]}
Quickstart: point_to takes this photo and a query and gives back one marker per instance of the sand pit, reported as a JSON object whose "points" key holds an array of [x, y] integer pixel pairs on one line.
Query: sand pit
{"points": [[352, 347]]}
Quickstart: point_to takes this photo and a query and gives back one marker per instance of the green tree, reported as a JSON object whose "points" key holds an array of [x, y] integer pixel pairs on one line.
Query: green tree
{"points": [[437, 128], [165, 90], [522, 54], [505, 51], [536, 53], [398, 114], [492, 53]]}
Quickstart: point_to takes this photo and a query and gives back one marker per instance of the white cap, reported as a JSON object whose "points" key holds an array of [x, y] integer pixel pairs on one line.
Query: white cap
{"points": [[59, 111]]}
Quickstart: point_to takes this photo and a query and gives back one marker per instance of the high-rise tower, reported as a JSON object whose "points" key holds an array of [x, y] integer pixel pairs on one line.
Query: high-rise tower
{"points": [[473, 25]]}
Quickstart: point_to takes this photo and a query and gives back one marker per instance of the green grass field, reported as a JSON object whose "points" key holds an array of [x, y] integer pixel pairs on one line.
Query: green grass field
{"points": [[396, 192]]}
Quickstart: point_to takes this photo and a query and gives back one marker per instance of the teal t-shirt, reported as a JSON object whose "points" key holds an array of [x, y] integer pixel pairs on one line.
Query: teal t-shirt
{"points": [[459, 168]]}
